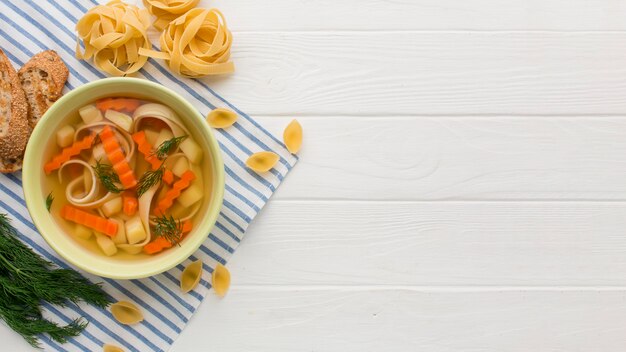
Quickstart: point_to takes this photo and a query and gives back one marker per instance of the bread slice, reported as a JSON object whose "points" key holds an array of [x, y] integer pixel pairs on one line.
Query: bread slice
{"points": [[43, 78], [14, 130]]}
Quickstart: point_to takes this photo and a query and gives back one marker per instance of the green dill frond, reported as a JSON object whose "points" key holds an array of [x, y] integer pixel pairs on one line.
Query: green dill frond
{"points": [[149, 179], [108, 177], [169, 228], [163, 150], [49, 200]]}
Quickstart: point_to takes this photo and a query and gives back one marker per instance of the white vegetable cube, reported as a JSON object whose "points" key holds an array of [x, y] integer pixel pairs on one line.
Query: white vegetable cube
{"points": [[106, 244], [180, 166], [90, 114], [112, 207], [124, 121], [99, 154], [82, 232], [65, 136], [163, 136], [151, 136], [120, 236], [192, 150], [191, 195], [135, 231]]}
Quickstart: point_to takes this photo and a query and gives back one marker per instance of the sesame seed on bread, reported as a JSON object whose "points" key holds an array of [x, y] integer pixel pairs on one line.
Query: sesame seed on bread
{"points": [[14, 129]]}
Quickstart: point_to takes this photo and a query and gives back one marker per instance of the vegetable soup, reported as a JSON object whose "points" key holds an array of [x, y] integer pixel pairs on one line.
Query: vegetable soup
{"points": [[127, 178]]}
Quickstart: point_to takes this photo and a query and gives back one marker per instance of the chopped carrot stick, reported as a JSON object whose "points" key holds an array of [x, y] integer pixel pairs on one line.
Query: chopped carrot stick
{"points": [[116, 157], [68, 153], [89, 220], [171, 195], [117, 104], [146, 149], [130, 204], [158, 244], [187, 226]]}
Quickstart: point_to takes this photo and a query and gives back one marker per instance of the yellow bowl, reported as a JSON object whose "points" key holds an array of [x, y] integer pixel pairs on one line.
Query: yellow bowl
{"points": [[34, 180]]}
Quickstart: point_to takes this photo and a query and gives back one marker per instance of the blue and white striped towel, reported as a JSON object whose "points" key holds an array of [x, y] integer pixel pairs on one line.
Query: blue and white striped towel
{"points": [[28, 27]]}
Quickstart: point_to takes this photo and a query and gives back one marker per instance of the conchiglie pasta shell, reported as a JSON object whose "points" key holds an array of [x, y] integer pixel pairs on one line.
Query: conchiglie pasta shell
{"points": [[191, 276], [111, 348], [220, 280], [262, 161], [221, 118], [126, 313], [292, 136]]}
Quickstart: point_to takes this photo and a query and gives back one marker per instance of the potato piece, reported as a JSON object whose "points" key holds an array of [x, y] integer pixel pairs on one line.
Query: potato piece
{"points": [[180, 166], [191, 195], [106, 244], [90, 113], [192, 150], [135, 231], [120, 236], [122, 120], [164, 135], [65, 136], [82, 232], [112, 207], [151, 136]]}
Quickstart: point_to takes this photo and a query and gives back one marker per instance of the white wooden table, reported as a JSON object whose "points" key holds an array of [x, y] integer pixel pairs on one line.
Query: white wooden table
{"points": [[462, 185]]}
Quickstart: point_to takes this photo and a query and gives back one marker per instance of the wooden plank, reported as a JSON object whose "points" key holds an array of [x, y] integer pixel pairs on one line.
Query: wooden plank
{"points": [[420, 73], [435, 244], [458, 158], [402, 320], [250, 15]]}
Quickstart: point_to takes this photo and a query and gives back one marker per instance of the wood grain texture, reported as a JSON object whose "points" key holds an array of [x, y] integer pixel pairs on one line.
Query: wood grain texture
{"points": [[458, 158], [339, 320], [422, 14], [552, 244], [420, 73]]}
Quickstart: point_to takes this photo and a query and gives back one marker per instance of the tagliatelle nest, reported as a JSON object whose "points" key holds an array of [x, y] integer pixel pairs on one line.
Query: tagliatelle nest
{"points": [[196, 44], [167, 10], [113, 34]]}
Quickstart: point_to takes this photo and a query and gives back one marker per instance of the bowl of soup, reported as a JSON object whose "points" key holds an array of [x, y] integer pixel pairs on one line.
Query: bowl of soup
{"points": [[123, 178]]}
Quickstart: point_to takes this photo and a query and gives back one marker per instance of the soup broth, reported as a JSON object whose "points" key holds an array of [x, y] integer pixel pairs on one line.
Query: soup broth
{"points": [[128, 178]]}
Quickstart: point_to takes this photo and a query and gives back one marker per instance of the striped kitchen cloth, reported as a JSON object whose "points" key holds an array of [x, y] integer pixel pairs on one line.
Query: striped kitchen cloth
{"points": [[28, 27]]}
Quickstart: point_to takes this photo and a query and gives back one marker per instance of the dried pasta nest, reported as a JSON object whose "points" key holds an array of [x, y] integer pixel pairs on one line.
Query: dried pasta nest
{"points": [[196, 44], [220, 280], [292, 136], [113, 34], [126, 313], [191, 276], [262, 161], [167, 10], [221, 118]]}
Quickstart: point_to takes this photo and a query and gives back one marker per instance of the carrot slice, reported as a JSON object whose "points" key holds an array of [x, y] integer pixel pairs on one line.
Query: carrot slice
{"points": [[117, 104], [158, 244], [68, 153], [146, 149], [116, 157], [172, 194], [130, 204], [89, 220]]}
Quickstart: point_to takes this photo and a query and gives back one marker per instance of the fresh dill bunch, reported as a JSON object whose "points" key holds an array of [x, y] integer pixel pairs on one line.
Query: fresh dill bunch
{"points": [[27, 280], [108, 177], [163, 150], [49, 200], [149, 179], [169, 228]]}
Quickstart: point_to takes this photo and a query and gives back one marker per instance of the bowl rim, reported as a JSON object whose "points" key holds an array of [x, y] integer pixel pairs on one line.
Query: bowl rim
{"points": [[31, 174]]}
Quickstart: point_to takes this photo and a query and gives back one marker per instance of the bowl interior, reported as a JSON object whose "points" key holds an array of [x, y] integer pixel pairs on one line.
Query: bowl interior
{"points": [[37, 184]]}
